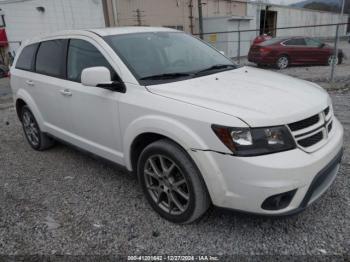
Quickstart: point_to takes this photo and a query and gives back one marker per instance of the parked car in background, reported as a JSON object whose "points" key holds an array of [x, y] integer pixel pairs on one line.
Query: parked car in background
{"points": [[196, 128], [283, 52]]}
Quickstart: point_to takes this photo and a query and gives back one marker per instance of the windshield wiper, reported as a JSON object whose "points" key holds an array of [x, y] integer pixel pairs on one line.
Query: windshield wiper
{"points": [[216, 67], [165, 76]]}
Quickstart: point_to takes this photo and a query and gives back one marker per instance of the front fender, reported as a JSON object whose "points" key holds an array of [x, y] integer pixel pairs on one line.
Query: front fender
{"points": [[185, 137], [168, 127]]}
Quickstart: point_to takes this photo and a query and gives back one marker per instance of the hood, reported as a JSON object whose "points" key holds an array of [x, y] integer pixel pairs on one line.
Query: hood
{"points": [[258, 97]]}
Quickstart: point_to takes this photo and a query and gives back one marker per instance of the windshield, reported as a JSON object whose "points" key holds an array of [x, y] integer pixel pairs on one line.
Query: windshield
{"points": [[155, 57]]}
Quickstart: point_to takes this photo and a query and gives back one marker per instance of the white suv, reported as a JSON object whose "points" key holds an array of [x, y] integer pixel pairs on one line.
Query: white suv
{"points": [[196, 128]]}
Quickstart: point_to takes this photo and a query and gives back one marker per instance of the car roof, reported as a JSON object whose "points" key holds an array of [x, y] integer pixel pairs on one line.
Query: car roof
{"points": [[99, 31], [110, 31], [129, 30]]}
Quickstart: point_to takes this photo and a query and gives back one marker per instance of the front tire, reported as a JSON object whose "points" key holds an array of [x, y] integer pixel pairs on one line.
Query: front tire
{"points": [[337, 61], [172, 183], [36, 139], [282, 62]]}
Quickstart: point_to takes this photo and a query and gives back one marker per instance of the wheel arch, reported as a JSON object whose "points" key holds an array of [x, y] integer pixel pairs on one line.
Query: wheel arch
{"points": [[146, 130], [23, 98], [284, 54]]}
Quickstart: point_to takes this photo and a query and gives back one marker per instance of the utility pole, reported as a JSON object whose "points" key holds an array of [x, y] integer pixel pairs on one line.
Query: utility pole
{"points": [[190, 6], [200, 19], [138, 17], [335, 60]]}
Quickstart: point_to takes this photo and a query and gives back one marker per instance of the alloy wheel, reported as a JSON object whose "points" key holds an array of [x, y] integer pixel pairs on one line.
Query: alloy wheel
{"points": [[31, 128], [332, 59], [166, 184], [282, 62]]}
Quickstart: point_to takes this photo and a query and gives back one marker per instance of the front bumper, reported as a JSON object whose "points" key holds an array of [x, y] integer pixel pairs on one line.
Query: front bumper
{"points": [[243, 183]]}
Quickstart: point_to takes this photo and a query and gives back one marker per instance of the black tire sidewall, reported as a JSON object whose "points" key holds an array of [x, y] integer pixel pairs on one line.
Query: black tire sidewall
{"points": [[179, 158], [26, 109]]}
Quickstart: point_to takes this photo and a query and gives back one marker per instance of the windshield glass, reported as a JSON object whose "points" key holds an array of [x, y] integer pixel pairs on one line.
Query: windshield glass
{"points": [[167, 56]]}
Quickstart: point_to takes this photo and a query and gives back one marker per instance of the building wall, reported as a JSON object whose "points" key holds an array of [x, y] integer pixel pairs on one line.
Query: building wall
{"points": [[289, 17], [173, 13], [297, 17], [24, 21]]}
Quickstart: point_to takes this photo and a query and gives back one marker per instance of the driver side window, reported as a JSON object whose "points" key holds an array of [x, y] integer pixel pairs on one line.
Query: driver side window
{"points": [[81, 55]]}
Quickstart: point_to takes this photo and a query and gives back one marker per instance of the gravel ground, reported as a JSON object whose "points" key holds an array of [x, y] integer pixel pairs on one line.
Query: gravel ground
{"points": [[62, 201]]}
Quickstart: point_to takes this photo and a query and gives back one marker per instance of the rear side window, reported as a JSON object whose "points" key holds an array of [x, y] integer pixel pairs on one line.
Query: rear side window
{"points": [[26, 58], [270, 42], [296, 41], [50, 59], [81, 55]]}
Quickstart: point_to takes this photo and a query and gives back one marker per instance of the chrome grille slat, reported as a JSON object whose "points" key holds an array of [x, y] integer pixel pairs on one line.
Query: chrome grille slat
{"points": [[312, 132], [311, 140], [304, 123]]}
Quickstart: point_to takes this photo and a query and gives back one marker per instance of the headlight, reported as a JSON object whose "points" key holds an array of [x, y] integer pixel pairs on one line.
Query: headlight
{"points": [[255, 141]]}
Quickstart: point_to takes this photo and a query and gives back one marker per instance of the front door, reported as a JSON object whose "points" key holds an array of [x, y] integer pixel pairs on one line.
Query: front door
{"points": [[94, 113], [316, 53]]}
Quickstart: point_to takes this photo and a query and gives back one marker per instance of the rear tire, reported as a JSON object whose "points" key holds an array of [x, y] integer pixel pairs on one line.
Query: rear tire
{"points": [[36, 139], [171, 182], [282, 62]]}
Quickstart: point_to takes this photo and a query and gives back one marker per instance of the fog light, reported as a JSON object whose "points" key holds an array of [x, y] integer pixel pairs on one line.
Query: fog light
{"points": [[278, 201]]}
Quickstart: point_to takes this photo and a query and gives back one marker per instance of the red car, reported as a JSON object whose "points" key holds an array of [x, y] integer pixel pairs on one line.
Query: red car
{"points": [[282, 52]]}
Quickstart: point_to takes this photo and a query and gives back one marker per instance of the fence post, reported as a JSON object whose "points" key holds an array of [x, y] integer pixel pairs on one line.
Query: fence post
{"points": [[335, 60], [239, 47]]}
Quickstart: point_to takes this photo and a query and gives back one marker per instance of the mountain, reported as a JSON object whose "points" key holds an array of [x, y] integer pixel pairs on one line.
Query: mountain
{"points": [[326, 2], [324, 5]]}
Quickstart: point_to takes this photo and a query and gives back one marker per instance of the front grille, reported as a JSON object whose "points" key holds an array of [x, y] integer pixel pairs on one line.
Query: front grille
{"points": [[311, 140], [304, 123], [310, 132]]}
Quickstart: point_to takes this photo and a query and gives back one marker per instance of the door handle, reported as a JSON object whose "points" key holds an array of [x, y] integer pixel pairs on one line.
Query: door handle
{"points": [[66, 92], [30, 82]]}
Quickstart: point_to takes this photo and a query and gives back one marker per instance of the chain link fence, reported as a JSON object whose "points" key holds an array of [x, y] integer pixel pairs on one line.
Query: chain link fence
{"points": [[236, 45]]}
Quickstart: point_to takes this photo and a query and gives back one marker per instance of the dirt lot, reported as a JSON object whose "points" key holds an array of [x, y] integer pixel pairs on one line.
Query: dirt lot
{"points": [[62, 201]]}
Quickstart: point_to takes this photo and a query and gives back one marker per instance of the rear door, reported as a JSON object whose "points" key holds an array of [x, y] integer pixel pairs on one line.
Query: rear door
{"points": [[48, 87], [296, 49], [94, 110], [23, 71]]}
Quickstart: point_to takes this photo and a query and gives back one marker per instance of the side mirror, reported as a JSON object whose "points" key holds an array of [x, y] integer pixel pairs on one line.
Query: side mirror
{"points": [[100, 76]]}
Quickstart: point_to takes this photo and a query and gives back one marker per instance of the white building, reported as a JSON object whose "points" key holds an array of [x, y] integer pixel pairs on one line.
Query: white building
{"points": [[28, 18]]}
